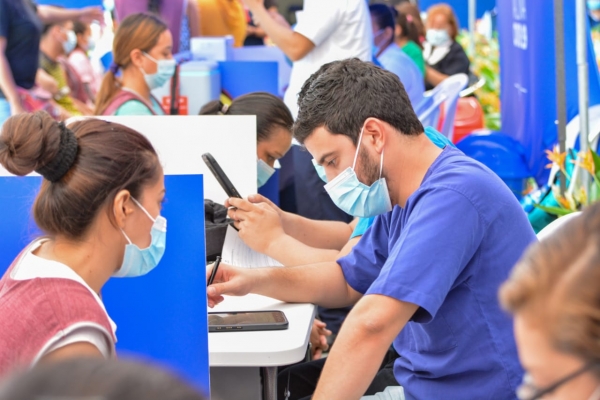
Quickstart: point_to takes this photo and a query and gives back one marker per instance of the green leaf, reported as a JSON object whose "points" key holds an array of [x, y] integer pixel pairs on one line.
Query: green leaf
{"points": [[554, 210], [596, 159]]}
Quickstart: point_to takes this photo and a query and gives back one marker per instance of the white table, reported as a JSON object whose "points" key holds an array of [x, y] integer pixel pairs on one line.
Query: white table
{"points": [[261, 349]]}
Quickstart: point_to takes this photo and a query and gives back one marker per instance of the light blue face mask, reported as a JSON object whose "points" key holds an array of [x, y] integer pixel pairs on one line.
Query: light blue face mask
{"points": [[138, 262], [264, 173], [437, 37], [320, 170], [71, 42], [354, 197], [593, 5], [164, 72]]}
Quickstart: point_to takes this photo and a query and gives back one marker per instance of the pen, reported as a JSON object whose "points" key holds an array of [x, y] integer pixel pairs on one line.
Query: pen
{"points": [[214, 271]]}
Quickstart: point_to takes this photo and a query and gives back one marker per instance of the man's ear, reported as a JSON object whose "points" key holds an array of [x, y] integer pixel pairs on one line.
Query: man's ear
{"points": [[122, 207], [375, 133]]}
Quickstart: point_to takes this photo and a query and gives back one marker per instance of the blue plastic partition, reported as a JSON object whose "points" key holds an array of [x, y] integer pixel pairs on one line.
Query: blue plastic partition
{"points": [[71, 3], [161, 316], [241, 77]]}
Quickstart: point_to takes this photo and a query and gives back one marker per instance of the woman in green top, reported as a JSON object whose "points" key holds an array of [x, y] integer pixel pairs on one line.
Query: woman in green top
{"points": [[407, 38], [142, 52]]}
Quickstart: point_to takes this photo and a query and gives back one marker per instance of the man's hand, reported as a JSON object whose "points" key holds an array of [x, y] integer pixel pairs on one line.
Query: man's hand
{"points": [[259, 224], [318, 339], [253, 4], [91, 14], [228, 280]]}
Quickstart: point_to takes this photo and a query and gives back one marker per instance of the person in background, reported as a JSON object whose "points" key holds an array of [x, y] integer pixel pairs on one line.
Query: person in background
{"points": [[593, 7], [325, 31], [255, 35], [273, 127], [274, 138], [223, 18], [407, 8], [407, 38], [553, 294], [175, 13], [99, 210], [21, 26], [96, 379], [142, 53], [58, 41], [390, 56], [80, 61], [443, 54]]}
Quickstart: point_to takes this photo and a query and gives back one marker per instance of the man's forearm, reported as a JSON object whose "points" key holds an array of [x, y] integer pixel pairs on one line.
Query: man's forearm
{"points": [[360, 346], [323, 284], [319, 234], [282, 36], [51, 14], [291, 252]]}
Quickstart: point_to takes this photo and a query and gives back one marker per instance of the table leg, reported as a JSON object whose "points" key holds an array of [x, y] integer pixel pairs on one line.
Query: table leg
{"points": [[269, 383]]}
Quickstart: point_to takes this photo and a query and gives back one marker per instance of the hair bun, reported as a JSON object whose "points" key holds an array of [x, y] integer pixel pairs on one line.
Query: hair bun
{"points": [[29, 141]]}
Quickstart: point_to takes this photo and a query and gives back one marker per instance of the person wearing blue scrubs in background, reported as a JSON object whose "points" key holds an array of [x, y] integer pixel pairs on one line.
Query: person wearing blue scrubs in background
{"points": [[390, 56], [425, 275]]}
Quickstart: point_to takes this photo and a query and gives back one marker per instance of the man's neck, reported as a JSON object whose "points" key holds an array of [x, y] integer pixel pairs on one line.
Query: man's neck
{"points": [[412, 157], [50, 50]]}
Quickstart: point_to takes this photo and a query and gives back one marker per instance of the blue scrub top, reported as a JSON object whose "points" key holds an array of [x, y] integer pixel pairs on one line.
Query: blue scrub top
{"points": [[436, 138], [447, 251]]}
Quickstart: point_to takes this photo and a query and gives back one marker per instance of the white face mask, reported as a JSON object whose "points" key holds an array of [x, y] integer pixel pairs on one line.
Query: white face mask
{"points": [[71, 42], [437, 37]]}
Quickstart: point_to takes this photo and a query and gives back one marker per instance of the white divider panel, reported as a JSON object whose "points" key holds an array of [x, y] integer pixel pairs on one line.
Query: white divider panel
{"points": [[181, 140]]}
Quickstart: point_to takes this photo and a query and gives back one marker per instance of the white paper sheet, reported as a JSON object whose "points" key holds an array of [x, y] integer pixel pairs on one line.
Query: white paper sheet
{"points": [[237, 253]]}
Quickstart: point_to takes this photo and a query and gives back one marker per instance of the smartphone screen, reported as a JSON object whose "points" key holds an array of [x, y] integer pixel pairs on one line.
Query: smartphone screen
{"points": [[259, 320]]}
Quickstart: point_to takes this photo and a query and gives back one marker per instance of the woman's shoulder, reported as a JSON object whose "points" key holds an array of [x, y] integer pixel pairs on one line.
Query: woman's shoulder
{"points": [[133, 107]]}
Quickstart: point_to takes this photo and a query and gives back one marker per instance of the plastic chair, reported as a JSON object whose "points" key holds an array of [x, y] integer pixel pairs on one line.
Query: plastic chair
{"points": [[445, 93], [555, 225]]}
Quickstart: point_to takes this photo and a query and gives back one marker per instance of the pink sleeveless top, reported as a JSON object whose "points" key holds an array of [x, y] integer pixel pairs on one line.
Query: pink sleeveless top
{"points": [[37, 313]]}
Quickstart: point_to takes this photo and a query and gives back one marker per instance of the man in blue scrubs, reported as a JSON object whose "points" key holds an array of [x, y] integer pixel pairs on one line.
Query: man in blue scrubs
{"points": [[425, 275]]}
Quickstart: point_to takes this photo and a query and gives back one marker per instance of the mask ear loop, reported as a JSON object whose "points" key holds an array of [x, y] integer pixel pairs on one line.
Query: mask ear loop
{"points": [[381, 165], [358, 147], [143, 209]]}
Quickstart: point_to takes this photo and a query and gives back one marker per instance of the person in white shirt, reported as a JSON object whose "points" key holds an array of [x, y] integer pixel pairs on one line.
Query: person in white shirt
{"points": [[327, 30]]}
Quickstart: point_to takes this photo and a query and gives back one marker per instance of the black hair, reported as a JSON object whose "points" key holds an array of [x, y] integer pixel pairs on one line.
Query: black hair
{"points": [[409, 29], [270, 112], [87, 378], [341, 95], [154, 6], [383, 15], [79, 27]]}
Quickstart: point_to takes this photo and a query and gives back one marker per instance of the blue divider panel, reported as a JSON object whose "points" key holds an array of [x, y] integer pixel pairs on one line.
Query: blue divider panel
{"points": [[161, 316], [241, 77]]}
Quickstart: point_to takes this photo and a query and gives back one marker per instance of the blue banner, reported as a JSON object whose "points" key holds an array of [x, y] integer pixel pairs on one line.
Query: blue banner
{"points": [[528, 82]]}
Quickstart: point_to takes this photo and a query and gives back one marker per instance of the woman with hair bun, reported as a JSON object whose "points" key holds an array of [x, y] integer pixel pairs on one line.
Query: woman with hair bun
{"points": [[553, 294], [99, 209]]}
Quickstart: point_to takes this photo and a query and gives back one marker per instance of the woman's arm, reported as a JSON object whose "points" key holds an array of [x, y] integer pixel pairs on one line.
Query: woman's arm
{"points": [[7, 82], [434, 77]]}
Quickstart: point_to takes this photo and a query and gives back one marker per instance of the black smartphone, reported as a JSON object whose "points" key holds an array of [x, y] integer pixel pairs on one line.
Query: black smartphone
{"points": [[246, 321], [217, 171]]}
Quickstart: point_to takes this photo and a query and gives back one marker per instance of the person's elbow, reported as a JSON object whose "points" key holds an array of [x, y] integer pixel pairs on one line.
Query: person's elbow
{"points": [[299, 47]]}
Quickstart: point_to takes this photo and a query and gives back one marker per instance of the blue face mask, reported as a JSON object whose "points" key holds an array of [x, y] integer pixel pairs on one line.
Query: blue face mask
{"points": [[354, 197], [320, 170], [593, 5], [437, 37], [164, 72], [138, 262], [264, 173]]}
